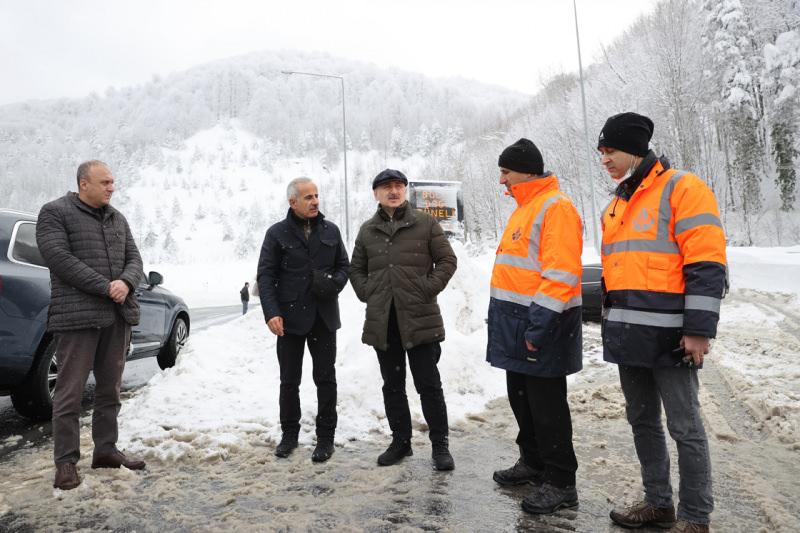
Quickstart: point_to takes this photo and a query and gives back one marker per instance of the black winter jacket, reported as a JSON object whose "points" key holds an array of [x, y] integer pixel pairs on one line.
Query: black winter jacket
{"points": [[86, 249], [286, 273]]}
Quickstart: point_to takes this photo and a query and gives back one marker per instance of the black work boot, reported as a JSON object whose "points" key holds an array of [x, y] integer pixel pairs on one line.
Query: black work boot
{"points": [[547, 498], [398, 449], [442, 460], [287, 445], [323, 450], [519, 474]]}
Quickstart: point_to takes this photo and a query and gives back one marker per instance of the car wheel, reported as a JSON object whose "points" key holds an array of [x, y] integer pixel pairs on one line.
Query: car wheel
{"points": [[177, 338], [34, 397]]}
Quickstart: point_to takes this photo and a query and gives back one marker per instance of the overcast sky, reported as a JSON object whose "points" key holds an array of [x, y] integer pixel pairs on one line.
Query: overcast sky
{"points": [[70, 48]]}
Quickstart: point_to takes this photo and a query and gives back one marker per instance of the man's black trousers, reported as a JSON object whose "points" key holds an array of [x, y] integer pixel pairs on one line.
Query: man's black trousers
{"points": [[422, 360], [545, 427], [322, 345]]}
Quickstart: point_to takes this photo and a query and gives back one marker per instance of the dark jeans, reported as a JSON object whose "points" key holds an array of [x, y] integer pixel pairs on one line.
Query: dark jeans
{"points": [[645, 390], [545, 426], [422, 360], [322, 345], [244, 306], [79, 352]]}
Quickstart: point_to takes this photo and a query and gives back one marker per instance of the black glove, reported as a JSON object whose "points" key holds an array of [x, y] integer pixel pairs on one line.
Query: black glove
{"points": [[323, 287]]}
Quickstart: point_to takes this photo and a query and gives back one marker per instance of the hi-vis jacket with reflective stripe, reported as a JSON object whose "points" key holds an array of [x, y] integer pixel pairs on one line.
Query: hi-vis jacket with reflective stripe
{"points": [[536, 284], [664, 270]]}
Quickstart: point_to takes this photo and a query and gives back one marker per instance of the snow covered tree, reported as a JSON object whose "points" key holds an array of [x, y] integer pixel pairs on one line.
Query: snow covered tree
{"points": [[782, 66]]}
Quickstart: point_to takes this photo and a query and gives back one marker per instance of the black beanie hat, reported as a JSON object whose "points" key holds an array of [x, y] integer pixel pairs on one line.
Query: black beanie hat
{"points": [[388, 175], [629, 132], [522, 156]]}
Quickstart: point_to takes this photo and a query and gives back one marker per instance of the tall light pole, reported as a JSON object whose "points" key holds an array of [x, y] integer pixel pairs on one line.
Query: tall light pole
{"points": [[589, 173], [344, 144]]}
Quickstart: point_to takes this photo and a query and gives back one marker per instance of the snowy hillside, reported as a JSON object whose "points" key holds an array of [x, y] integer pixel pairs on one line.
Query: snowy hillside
{"points": [[215, 194]]}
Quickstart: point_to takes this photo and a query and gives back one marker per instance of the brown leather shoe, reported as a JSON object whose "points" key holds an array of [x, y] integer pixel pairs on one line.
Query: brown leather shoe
{"points": [[642, 514], [116, 460], [682, 526], [67, 476]]}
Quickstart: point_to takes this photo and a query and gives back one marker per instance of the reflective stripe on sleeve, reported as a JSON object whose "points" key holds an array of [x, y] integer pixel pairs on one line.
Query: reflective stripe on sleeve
{"points": [[561, 275], [548, 302], [704, 219], [702, 303], [644, 318]]}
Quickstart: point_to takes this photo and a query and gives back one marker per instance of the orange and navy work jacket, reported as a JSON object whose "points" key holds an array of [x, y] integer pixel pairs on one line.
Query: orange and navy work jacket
{"points": [[664, 268], [536, 284]]}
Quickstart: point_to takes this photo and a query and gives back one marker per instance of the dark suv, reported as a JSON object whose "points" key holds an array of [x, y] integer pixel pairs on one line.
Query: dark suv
{"points": [[28, 358]]}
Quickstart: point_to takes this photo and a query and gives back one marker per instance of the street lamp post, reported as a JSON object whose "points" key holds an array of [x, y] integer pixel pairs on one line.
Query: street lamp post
{"points": [[344, 144], [589, 173]]}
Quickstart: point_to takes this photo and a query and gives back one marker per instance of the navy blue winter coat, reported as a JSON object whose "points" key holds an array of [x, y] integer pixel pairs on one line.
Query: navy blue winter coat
{"points": [[286, 273]]}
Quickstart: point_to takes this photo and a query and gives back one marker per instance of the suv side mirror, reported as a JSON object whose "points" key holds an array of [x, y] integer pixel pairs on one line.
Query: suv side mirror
{"points": [[154, 278]]}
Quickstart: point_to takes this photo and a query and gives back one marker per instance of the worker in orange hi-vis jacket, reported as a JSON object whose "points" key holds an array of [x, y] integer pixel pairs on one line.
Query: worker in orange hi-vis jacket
{"points": [[535, 326], [664, 276]]}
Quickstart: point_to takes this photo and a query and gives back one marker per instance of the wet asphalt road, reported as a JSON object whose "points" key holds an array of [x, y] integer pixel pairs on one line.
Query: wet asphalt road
{"points": [[17, 432]]}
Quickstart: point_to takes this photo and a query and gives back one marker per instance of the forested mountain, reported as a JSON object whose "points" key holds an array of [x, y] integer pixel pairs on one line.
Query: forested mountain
{"points": [[202, 156], [387, 110], [720, 79]]}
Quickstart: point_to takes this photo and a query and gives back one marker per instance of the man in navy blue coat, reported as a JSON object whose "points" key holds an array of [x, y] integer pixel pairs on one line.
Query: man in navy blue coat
{"points": [[302, 268]]}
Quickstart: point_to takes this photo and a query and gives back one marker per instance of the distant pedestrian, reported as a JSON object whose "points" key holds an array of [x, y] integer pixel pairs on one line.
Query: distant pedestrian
{"points": [[302, 268], [245, 294], [535, 326], [401, 261], [664, 277], [95, 268]]}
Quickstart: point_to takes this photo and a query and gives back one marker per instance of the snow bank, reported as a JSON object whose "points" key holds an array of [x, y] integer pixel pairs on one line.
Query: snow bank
{"points": [[223, 392]]}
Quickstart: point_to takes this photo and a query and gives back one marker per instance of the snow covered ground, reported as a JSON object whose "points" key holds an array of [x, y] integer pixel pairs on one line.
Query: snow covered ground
{"points": [[223, 392], [208, 427]]}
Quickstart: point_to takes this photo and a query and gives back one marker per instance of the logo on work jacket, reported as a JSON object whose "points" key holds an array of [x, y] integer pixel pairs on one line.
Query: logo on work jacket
{"points": [[516, 235], [644, 221]]}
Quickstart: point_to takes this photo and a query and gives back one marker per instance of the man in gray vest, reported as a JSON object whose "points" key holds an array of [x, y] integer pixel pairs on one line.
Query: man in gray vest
{"points": [[94, 269]]}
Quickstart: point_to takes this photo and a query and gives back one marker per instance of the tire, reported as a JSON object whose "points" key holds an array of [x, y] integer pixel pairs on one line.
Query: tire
{"points": [[177, 338], [33, 398]]}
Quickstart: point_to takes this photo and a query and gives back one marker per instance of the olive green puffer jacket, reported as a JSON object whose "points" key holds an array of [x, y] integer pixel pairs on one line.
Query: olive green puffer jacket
{"points": [[407, 259]]}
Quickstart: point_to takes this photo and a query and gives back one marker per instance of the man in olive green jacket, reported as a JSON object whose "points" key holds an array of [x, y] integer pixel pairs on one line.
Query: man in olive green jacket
{"points": [[401, 261]]}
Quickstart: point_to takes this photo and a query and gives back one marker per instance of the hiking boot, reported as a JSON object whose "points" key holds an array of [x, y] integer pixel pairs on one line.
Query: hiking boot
{"points": [[116, 460], [683, 526], [442, 460], [286, 446], [642, 514], [546, 499], [67, 476], [323, 450], [398, 449], [519, 474]]}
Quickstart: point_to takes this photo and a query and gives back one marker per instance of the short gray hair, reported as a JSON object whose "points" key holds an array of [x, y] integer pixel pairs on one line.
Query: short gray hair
{"points": [[291, 189], [85, 167]]}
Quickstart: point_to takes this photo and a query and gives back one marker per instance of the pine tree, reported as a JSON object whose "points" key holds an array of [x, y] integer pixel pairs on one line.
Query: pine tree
{"points": [[782, 66]]}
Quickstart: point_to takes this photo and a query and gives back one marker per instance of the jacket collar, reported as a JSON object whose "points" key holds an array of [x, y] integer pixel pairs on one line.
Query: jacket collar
{"points": [[525, 192], [399, 213], [296, 225], [294, 219], [644, 175], [102, 213]]}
